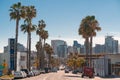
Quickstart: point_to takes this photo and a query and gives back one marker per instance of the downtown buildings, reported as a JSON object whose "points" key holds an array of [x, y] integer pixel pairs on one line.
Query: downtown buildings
{"points": [[108, 52], [59, 48], [110, 46]]}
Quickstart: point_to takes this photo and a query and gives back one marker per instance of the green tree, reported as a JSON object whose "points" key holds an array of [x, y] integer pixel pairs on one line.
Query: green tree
{"points": [[16, 14], [55, 62], [75, 61]]}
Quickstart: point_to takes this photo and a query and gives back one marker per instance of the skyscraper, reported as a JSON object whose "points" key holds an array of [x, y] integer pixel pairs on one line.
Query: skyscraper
{"points": [[62, 51], [57, 45], [111, 45]]}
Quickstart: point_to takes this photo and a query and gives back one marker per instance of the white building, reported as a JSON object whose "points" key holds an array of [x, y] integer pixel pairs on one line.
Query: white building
{"points": [[107, 64], [101, 66], [21, 60]]}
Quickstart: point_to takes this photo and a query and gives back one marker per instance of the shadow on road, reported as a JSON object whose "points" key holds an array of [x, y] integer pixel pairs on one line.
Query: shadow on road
{"points": [[71, 76], [112, 76]]}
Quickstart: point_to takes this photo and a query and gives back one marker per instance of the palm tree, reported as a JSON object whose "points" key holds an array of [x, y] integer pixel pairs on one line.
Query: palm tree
{"points": [[84, 30], [44, 35], [27, 29], [40, 31], [88, 27], [49, 51], [38, 55], [94, 27], [16, 14], [30, 14]]}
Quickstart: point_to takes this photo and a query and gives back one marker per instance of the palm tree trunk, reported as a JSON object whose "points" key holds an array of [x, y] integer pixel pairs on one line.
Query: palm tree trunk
{"points": [[87, 49], [44, 53], [27, 51], [91, 51], [39, 54], [30, 51], [16, 40]]}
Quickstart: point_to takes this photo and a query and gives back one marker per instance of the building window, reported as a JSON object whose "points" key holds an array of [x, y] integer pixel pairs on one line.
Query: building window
{"points": [[22, 58]]}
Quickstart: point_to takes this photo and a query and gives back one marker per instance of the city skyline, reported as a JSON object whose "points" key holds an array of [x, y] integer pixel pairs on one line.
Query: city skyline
{"points": [[62, 19]]}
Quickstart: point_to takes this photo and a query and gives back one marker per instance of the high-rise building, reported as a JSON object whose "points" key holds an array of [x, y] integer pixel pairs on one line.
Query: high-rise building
{"points": [[76, 44], [70, 49], [62, 51], [58, 44], [82, 49], [99, 48], [76, 47], [111, 45]]}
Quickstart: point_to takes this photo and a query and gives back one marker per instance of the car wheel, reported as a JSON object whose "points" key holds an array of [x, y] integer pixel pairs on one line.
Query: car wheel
{"points": [[82, 75]]}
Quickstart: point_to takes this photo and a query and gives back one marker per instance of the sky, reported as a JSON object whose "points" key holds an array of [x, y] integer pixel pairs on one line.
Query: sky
{"points": [[63, 18]]}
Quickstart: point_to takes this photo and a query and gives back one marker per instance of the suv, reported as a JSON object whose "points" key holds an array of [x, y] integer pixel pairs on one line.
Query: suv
{"points": [[87, 71]]}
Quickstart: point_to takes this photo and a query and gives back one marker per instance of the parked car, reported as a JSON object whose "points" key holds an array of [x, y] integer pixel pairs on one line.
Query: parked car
{"points": [[54, 69], [74, 71], [36, 72], [66, 70], [42, 71], [31, 73], [26, 71], [87, 71], [18, 74], [24, 74]]}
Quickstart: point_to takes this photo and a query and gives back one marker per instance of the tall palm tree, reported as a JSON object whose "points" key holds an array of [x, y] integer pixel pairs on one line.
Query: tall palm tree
{"points": [[44, 36], [49, 51], [89, 26], [16, 14], [27, 29], [93, 23], [38, 55], [84, 30], [30, 13], [40, 31]]}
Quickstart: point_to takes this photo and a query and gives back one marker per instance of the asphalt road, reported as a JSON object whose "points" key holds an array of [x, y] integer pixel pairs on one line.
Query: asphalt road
{"points": [[60, 75]]}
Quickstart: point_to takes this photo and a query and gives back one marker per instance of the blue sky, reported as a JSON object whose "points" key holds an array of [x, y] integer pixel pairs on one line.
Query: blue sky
{"points": [[63, 18]]}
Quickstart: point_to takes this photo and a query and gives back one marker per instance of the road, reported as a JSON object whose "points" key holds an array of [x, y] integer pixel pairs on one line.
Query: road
{"points": [[60, 75]]}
